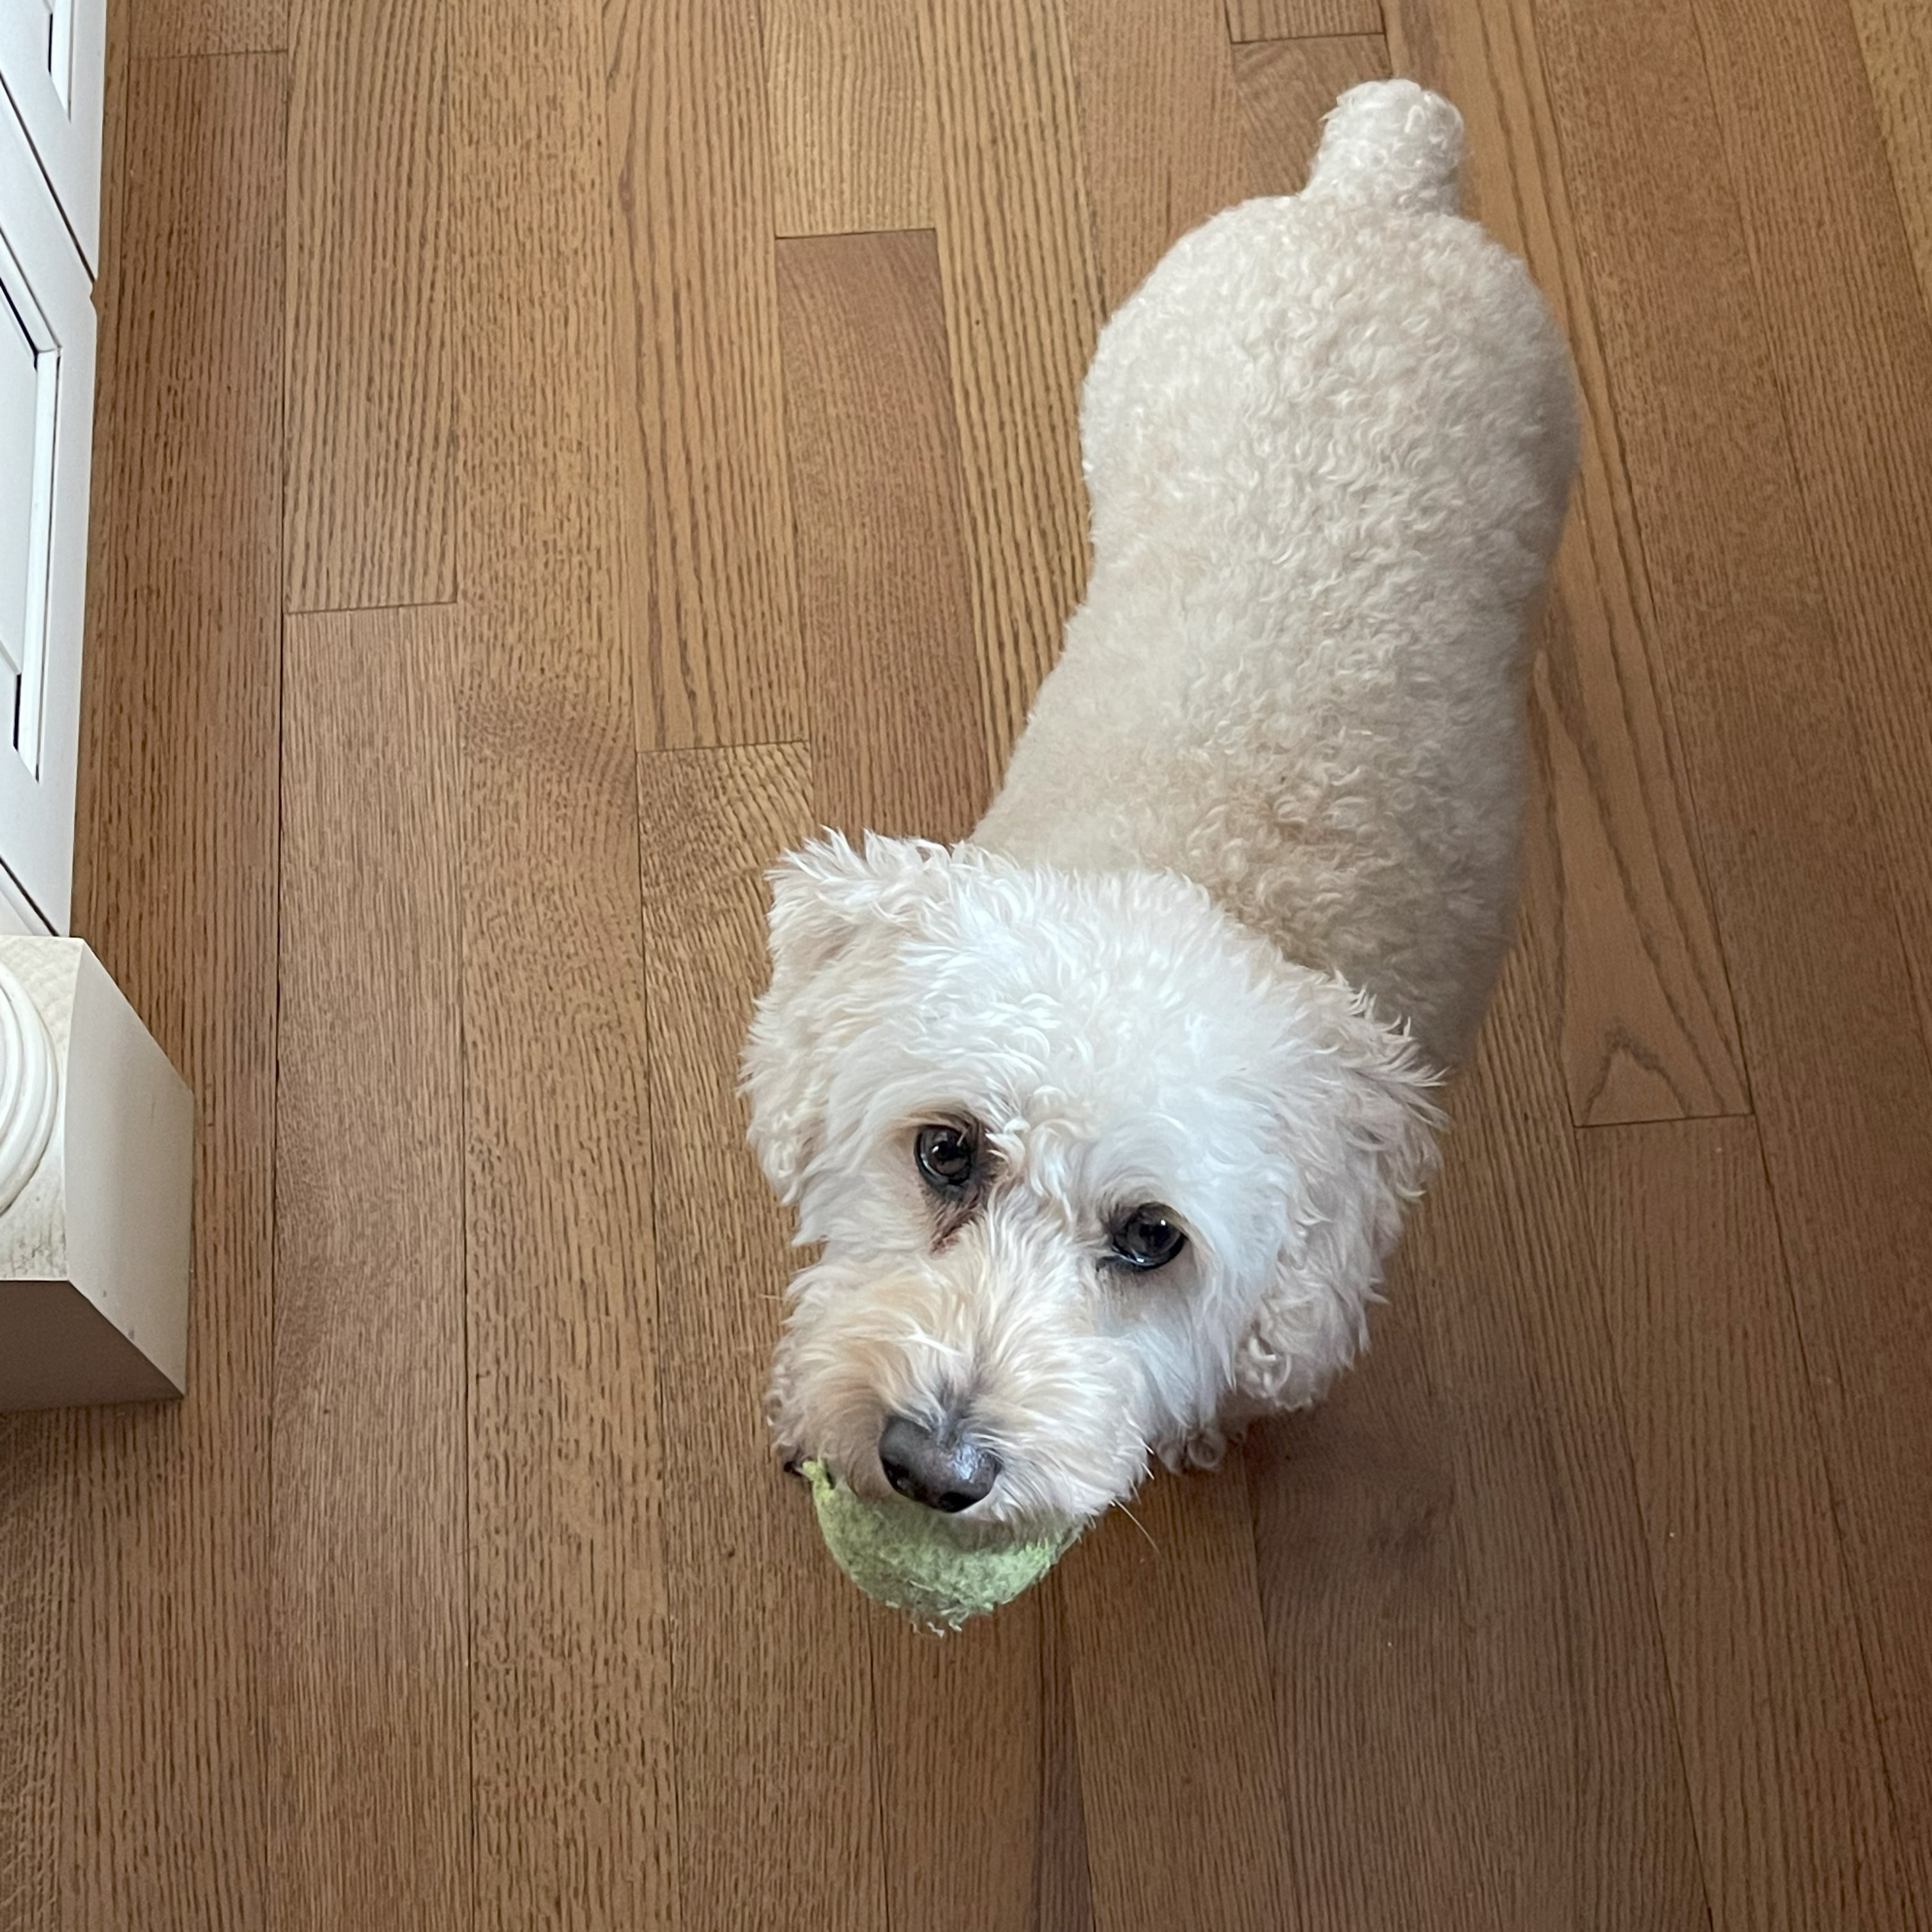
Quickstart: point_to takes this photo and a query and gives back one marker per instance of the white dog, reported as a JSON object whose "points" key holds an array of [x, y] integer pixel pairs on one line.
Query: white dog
{"points": [[1106, 1119]]}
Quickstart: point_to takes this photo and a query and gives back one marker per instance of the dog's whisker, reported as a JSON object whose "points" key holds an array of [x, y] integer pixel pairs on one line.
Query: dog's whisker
{"points": [[1139, 1526]]}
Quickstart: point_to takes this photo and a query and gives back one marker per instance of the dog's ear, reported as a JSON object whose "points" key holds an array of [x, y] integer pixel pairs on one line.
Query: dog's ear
{"points": [[826, 895], [832, 905], [1358, 1125]]}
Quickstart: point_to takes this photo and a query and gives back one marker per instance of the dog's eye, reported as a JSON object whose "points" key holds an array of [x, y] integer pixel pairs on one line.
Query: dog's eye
{"points": [[1148, 1238], [948, 1157]]}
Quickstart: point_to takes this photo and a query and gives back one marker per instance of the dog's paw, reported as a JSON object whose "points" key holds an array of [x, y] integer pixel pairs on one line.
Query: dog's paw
{"points": [[1203, 1449]]}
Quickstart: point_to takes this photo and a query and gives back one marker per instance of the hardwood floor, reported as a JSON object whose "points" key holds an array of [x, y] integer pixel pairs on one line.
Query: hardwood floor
{"points": [[552, 457]]}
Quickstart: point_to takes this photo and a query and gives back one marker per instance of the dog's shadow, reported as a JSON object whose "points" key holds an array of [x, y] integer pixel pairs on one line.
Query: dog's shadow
{"points": [[1355, 1500]]}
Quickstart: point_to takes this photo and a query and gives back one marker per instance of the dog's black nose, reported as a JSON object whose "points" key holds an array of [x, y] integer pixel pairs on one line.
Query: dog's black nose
{"points": [[949, 1472]]}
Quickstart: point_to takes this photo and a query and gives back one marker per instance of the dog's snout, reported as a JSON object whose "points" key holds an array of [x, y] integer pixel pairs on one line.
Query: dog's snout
{"points": [[947, 1470]]}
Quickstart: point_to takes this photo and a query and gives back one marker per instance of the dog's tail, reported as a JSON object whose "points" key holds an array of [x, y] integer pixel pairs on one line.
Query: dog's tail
{"points": [[1394, 145]]}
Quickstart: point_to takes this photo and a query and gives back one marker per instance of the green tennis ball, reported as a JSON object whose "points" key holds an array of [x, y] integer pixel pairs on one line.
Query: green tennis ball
{"points": [[940, 1572]]}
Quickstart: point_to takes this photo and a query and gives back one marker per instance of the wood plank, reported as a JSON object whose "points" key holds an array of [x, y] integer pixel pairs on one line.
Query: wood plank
{"points": [[113, 195], [166, 1779], [1301, 19], [1366, 1587], [1585, 1814], [773, 1725], [962, 1736], [893, 690], [371, 1719], [1453, 1565], [709, 606], [1896, 38], [36, 1599], [175, 29], [892, 675], [1285, 88], [1790, 836], [851, 149], [571, 1769], [1780, 1744], [1160, 128], [1172, 1684], [367, 515], [1648, 1027], [1023, 306], [1851, 344], [1063, 1887]]}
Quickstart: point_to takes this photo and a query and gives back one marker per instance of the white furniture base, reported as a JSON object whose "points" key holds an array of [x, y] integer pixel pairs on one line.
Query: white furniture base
{"points": [[97, 1158]]}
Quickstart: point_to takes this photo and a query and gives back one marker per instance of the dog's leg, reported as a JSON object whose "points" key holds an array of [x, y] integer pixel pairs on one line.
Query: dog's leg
{"points": [[1203, 1449]]}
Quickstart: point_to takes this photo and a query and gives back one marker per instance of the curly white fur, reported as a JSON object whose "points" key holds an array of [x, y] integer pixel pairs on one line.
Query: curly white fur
{"points": [[1243, 896]]}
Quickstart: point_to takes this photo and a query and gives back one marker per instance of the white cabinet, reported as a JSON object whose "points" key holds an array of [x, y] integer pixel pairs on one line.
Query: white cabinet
{"points": [[97, 1132], [51, 59]]}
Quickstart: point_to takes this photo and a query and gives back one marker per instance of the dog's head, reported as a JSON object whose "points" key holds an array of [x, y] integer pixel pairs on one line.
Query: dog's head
{"points": [[1088, 1163]]}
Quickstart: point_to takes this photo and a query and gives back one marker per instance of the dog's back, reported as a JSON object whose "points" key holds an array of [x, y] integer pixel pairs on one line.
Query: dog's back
{"points": [[1328, 444]]}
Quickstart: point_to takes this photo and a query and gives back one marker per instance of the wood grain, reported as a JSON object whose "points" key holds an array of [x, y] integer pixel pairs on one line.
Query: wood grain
{"points": [[165, 1769], [851, 148], [1791, 836], [1023, 305], [1896, 38], [1456, 1559], [772, 1732], [574, 1790], [1780, 1744], [37, 1495], [1853, 348], [176, 29], [963, 1736], [1366, 1589], [1160, 128], [1648, 1027], [1063, 1886], [893, 692], [371, 1720], [366, 514], [1301, 19], [710, 609], [1181, 1763], [1285, 88], [892, 676], [1585, 1817]]}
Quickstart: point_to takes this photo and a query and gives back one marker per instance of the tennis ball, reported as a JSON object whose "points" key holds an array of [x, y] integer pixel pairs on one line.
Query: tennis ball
{"points": [[938, 1571]]}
